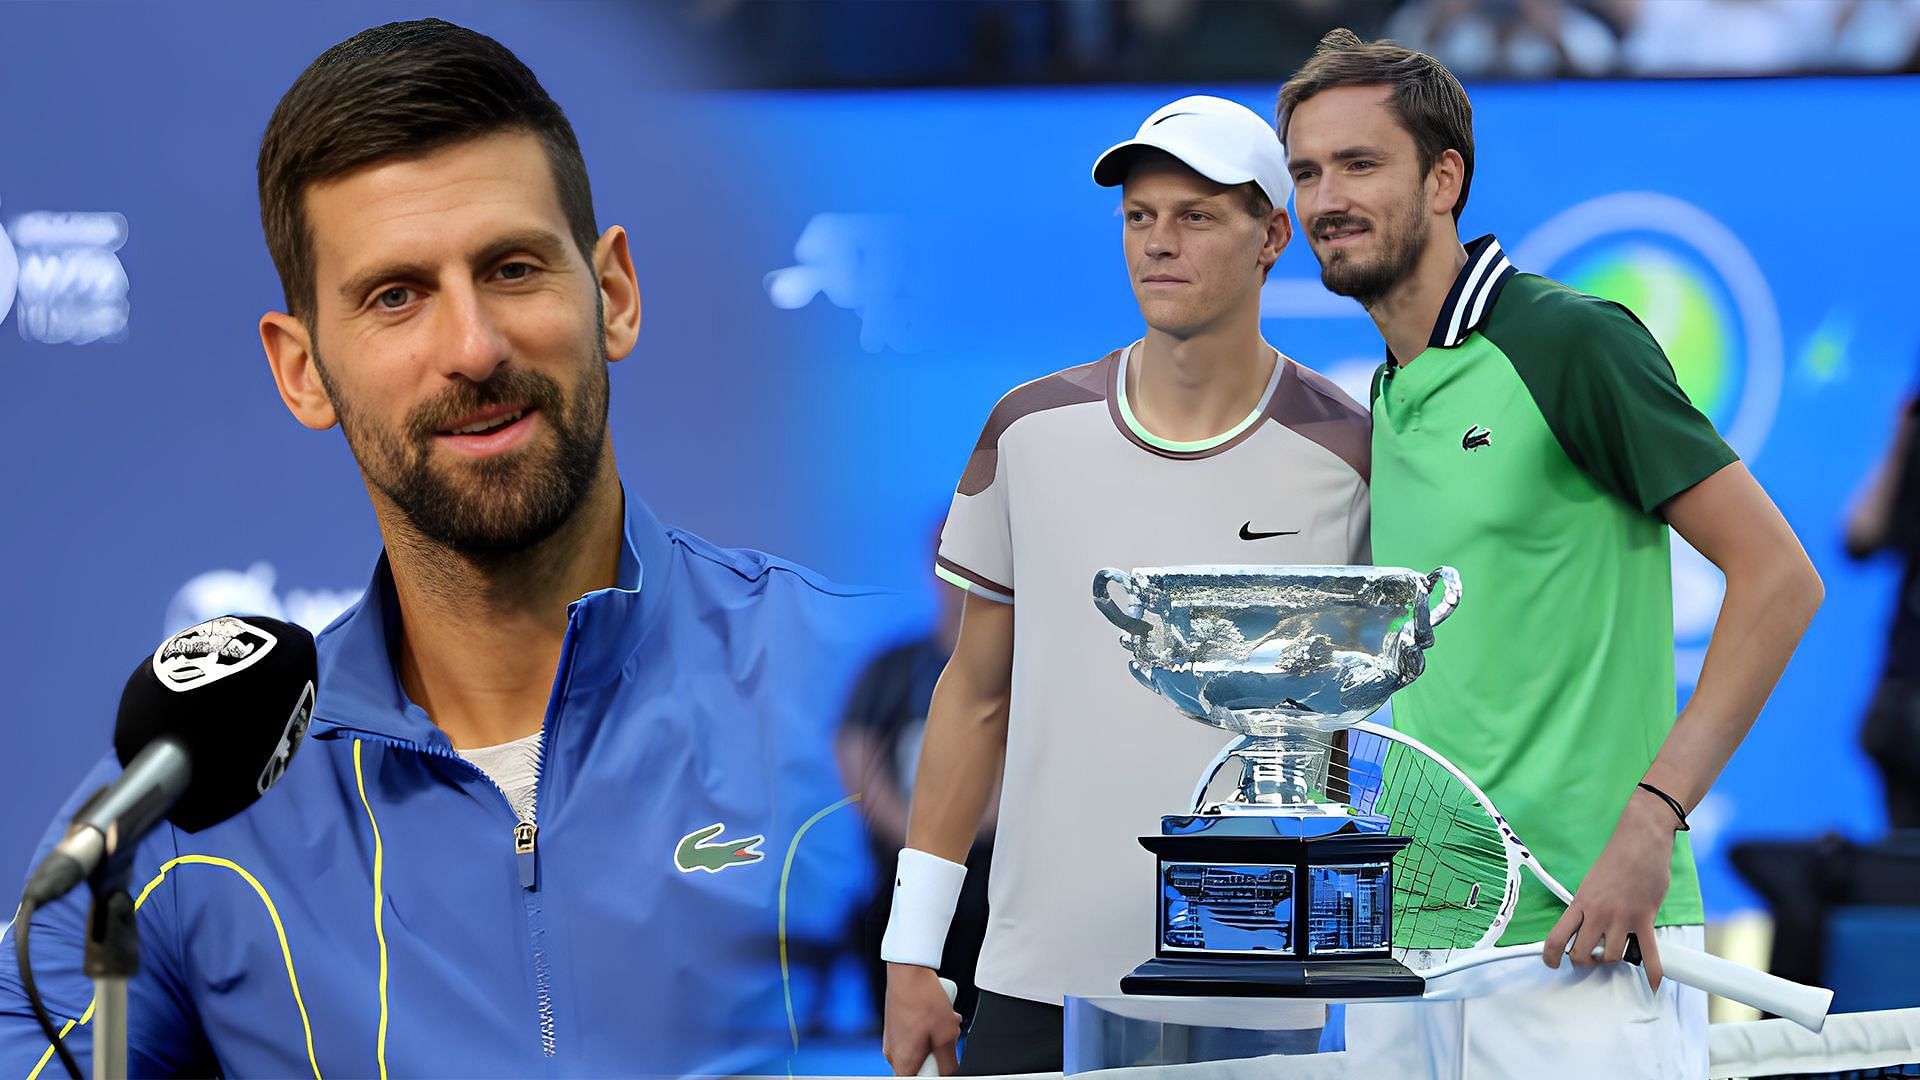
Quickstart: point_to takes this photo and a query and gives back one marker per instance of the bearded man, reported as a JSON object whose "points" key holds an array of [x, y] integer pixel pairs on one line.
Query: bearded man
{"points": [[537, 827]]}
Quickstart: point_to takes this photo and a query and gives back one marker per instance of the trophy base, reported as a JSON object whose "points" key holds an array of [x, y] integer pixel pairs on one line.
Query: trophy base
{"points": [[1211, 976]]}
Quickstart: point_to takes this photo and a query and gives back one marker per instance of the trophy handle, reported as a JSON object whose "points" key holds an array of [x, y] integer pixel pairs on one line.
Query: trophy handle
{"points": [[1449, 579], [1130, 620], [1417, 636]]}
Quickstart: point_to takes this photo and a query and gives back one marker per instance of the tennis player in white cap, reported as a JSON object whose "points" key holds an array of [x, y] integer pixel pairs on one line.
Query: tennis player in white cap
{"points": [[1197, 443]]}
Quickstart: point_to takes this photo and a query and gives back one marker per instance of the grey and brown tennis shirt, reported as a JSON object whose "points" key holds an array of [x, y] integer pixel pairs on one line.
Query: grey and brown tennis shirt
{"points": [[1065, 480], [1532, 445]]}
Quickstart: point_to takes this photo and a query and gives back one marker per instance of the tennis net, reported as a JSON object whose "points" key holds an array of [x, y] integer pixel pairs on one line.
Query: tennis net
{"points": [[1851, 1046]]}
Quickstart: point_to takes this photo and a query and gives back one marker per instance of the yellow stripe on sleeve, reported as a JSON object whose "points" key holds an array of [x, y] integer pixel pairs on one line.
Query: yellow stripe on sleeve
{"points": [[279, 930]]}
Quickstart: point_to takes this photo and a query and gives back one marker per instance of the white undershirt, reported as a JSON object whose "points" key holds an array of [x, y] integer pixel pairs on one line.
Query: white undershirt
{"points": [[515, 767]]}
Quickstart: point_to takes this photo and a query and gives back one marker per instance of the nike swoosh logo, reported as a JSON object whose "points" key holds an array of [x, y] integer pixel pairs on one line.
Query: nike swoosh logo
{"points": [[696, 852], [1247, 533]]}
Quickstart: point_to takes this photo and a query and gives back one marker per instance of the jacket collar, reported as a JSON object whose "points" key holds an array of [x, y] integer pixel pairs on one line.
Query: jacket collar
{"points": [[1474, 290], [1473, 293], [360, 686]]}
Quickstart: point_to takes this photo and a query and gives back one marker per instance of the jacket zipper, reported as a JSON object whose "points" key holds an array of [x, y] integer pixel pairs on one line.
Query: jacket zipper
{"points": [[526, 854], [524, 832], [526, 837]]}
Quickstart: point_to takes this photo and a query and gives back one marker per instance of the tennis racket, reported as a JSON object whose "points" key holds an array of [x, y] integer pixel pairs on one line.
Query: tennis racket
{"points": [[1455, 886]]}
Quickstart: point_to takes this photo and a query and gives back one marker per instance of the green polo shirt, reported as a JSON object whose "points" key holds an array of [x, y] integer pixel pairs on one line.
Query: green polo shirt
{"points": [[1531, 446]]}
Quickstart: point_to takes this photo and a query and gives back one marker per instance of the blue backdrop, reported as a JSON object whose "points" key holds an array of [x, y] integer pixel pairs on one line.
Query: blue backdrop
{"points": [[156, 475], [838, 287]]}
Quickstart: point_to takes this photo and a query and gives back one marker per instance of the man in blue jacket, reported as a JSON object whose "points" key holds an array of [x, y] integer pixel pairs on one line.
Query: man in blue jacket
{"points": [[542, 820]]}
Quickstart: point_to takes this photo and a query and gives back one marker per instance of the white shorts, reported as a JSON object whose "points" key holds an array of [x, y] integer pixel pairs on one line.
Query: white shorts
{"points": [[1522, 1019]]}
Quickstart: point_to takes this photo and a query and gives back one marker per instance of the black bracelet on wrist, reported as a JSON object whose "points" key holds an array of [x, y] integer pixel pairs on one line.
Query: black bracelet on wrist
{"points": [[1671, 802]]}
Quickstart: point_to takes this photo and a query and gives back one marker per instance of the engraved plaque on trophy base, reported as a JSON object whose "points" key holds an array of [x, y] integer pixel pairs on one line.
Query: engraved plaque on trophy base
{"points": [[1274, 906]]}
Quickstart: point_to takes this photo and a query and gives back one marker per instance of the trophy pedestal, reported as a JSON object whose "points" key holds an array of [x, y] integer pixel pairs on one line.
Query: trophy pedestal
{"points": [[1242, 976], [1274, 905]]}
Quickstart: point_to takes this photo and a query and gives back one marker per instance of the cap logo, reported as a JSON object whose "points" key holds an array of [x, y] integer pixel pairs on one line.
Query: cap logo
{"points": [[210, 652]]}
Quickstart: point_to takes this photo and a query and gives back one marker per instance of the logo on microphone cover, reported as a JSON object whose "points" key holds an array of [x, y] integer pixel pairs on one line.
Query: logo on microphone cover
{"points": [[210, 652], [289, 739]]}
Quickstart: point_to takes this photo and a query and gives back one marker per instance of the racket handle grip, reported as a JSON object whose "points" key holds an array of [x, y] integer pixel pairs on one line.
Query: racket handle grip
{"points": [[931, 1066], [1804, 1005]]}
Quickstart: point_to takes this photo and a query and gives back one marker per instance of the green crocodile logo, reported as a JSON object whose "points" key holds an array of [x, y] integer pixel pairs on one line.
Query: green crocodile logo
{"points": [[695, 853]]}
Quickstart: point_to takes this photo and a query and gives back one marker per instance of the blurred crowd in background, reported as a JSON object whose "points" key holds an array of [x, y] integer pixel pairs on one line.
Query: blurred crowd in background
{"points": [[834, 43]]}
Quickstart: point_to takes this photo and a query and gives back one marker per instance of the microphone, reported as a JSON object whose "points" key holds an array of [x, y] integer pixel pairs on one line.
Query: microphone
{"points": [[206, 725]]}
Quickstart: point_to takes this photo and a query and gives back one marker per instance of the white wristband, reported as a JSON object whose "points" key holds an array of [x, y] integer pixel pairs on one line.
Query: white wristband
{"points": [[926, 889]]}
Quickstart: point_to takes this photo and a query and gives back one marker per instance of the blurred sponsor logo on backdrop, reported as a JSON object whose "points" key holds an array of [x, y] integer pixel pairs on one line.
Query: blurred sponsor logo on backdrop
{"points": [[252, 592], [60, 273], [858, 261]]}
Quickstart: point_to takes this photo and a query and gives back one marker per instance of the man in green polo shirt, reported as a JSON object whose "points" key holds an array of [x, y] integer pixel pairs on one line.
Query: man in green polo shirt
{"points": [[1535, 438]]}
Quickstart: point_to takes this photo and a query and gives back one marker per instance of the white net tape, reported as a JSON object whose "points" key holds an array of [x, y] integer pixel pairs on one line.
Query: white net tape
{"points": [[1865, 1042], [1852, 1046]]}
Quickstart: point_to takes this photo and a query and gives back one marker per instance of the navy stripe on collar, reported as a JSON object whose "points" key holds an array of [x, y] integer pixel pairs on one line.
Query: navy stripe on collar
{"points": [[1473, 293]]}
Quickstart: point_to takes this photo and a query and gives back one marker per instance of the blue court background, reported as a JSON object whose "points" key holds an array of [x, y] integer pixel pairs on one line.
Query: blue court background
{"points": [[963, 250]]}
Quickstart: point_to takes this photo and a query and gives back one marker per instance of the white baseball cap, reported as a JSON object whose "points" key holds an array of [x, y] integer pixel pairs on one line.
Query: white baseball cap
{"points": [[1222, 140]]}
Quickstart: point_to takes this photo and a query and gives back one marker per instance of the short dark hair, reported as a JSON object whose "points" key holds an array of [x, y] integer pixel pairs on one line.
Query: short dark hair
{"points": [[393, 93], [1426, 98]]}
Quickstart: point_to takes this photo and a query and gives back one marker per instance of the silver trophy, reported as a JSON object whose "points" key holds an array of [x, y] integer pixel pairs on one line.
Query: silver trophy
{"points": [[1270, 884]]}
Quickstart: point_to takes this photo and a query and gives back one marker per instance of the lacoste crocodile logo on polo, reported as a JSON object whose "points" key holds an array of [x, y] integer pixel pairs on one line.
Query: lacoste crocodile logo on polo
{"points": [[699, 850], [1476, 437], [1247, 533]]}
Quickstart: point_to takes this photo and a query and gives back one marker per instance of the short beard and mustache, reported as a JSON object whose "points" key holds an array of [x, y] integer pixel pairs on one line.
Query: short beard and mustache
{"points": [[495, 506], [1402, 244]]}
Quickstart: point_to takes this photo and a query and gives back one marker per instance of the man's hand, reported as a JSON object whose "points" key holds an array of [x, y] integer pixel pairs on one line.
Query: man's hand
{"points": [[919, 1021], [1622, 892]]}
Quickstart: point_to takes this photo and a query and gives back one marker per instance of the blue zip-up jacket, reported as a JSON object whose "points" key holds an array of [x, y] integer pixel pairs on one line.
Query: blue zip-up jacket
{"points": [[382, 911]]}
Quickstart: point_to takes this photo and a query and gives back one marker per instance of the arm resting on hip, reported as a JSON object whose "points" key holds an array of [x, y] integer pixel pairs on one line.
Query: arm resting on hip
{"points": [[1772, 593]]}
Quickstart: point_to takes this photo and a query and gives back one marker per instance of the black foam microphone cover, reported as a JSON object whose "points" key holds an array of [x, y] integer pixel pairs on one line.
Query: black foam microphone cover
{"points": [[237, 691]]}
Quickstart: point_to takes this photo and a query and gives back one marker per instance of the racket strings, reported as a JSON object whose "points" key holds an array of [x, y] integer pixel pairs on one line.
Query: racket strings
{"points": [[1450, 883]]}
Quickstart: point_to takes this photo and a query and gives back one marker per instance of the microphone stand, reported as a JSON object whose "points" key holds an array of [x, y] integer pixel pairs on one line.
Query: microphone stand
{"points": [[112, 960]]}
